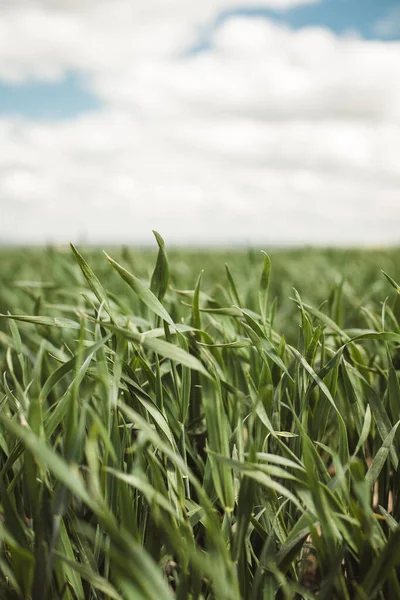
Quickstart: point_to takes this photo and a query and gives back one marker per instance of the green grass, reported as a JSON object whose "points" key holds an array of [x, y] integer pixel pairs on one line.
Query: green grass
{"points": [[167, 433]]}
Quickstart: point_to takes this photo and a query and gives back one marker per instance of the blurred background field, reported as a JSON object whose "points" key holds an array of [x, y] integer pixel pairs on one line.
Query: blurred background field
{"points": [[30, 276]]}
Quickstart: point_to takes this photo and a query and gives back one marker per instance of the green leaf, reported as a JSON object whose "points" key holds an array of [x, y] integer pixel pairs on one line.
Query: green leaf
{"points": [[92, 280], [160, 278], [49, 321], [381, 457], [196, 318], [142, 291], [232, 287], [392, 282], [162, 348], [99, 583], [264, 286], [66, 474]]}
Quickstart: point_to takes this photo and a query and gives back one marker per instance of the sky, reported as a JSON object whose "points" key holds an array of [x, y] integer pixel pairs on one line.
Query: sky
{"points": [[214, 122]]}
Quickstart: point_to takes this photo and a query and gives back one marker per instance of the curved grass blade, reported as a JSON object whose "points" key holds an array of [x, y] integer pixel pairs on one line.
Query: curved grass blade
{"points": [[264, 287], [142, 291], [92, 280], [165, 349], [49, 321], [381, 457]]}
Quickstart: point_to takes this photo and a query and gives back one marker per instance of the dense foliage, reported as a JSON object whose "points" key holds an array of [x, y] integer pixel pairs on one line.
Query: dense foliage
{"points": [[171, 434]]}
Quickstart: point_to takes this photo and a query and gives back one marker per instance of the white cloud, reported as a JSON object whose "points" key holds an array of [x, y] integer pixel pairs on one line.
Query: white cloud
{"points": [[272, 136], [43, 39]]}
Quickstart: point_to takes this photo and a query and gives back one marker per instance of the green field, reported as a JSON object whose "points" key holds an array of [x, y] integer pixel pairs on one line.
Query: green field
{"points": [[172, 433]]}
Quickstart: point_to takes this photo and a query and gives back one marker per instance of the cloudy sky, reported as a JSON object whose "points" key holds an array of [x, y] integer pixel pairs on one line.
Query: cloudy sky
{"points": [[212, 121]]}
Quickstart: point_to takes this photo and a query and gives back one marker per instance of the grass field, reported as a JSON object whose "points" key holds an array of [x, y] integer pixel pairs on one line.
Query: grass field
{"points": [[167, 433]]}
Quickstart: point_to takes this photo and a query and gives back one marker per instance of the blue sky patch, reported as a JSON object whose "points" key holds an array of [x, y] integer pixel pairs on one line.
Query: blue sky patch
{"points": [[370, 19], [47, 101], [340, 16]]}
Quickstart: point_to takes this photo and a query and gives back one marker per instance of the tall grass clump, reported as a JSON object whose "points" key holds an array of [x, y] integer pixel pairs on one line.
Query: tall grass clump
{"points": [[163, 436]]}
